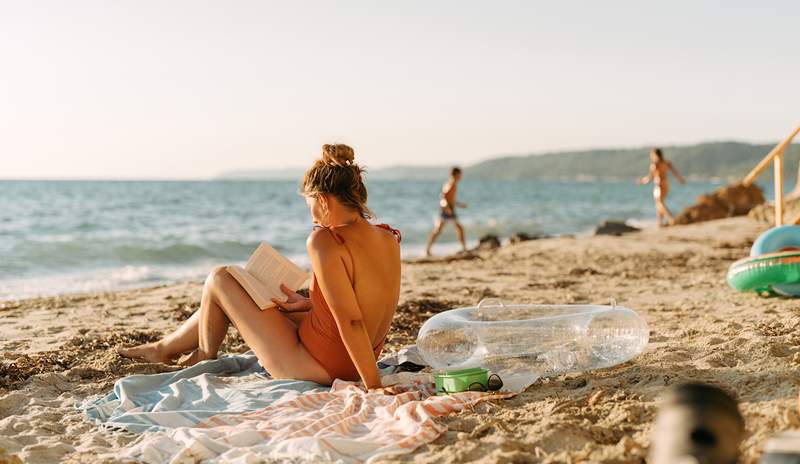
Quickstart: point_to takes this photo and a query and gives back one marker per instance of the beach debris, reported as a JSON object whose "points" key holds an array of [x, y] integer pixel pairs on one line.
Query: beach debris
{"points": [[615, 228], [596, 397], [523, 237], [15, 372], [9, 305], [728, 201], [468, 255], [582, 271], [697, 423], [6, 458], [184, 310], [488, 242]]}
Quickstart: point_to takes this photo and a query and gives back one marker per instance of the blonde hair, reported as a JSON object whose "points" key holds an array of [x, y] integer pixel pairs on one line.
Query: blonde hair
{"points": [[336, 173]]}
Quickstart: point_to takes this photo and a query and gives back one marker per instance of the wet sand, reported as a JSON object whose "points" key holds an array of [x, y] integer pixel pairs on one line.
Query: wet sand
{"points": [[55, 351]]}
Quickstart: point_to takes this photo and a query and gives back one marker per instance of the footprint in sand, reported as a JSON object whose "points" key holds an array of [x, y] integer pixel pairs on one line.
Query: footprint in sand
{"points": [[11, 404], [46, 452], [14, 345], [676, 356]]}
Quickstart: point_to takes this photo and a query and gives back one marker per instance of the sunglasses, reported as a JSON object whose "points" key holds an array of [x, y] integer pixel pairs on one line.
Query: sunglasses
{"points": [[493, 383]]}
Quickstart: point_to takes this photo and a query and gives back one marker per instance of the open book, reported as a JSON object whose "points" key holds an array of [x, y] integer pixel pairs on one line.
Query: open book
{"points": [[264, 273]]}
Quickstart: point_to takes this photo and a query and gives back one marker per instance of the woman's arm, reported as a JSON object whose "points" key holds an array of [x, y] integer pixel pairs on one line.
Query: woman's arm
{"points": [[335, 284], [646, 179], [677, 174]]}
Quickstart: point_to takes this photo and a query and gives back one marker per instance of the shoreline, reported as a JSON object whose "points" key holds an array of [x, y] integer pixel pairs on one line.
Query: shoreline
{"points": [[451, 250], [674, 277]]}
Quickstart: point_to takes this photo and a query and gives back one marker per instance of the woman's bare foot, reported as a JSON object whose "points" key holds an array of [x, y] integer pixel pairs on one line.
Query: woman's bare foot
{"points": [[150, 352], [194, 357]]}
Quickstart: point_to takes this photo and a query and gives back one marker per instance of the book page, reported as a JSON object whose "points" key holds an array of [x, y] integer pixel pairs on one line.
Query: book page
{"points": [[272, 269], [260, 294]]}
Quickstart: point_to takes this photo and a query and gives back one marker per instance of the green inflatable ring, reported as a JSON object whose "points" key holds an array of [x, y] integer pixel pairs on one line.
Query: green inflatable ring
{"points": [[760, 273]]}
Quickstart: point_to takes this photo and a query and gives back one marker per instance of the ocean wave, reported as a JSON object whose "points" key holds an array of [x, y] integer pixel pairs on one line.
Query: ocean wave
{"points": [[83, 253], [98, 280]]}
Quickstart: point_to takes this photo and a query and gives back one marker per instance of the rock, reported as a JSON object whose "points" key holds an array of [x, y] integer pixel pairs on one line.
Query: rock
{"points": [[523, 237], [488, 242], [731, 200], [766, 212], [614, 228]]}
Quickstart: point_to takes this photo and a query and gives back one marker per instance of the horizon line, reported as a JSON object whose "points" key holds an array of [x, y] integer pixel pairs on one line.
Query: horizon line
{"points": [[217, 176]]}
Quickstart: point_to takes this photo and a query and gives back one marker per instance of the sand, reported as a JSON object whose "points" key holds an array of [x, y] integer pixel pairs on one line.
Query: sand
{"points": [[56, 351]]}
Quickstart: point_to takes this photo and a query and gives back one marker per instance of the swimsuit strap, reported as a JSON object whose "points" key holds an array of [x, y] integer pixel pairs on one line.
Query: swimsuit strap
{"points": [[391, 229]]}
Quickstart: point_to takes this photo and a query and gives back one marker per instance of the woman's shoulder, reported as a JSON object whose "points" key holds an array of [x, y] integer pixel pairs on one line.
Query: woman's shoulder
{"points": [[390, 231], [320, 239]]}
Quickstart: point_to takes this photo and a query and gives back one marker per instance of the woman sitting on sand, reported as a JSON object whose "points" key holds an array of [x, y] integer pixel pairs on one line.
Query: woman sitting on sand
{"points": [[336, 333], [659, 169]]}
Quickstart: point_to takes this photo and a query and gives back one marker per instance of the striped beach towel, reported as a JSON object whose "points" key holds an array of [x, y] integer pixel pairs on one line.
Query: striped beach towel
{"points": [[230, 410], [344, 424]]}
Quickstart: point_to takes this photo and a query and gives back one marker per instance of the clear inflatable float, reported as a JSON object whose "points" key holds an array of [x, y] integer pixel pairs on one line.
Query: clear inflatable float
{"points": [[522, 342]]}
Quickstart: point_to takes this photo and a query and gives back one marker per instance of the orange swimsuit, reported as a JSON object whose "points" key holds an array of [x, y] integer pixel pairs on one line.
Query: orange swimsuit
{"points": [[319, 333]]}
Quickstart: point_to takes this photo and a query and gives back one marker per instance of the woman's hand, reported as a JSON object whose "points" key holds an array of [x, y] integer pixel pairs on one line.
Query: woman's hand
{"points": [[294, 303]]}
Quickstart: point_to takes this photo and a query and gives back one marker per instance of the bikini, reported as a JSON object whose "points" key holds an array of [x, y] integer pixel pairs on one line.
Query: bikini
{"points": [[319, 333]]}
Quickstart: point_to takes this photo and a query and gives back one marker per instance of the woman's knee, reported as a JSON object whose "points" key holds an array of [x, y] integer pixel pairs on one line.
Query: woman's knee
{"points": [[216, 278]]}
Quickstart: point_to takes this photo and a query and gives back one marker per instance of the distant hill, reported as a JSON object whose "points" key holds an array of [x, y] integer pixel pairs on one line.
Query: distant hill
{"points": [[714, 160], [704, 161]]}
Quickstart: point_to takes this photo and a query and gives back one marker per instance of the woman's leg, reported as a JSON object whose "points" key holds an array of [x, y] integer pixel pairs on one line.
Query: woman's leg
{"points": [[460, 234], [437, 229], [661, 201], [183, 340], [270, 334]]}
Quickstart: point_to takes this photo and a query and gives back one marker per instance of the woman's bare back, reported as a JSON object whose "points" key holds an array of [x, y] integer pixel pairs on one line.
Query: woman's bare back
{"points": [[375, 271]]}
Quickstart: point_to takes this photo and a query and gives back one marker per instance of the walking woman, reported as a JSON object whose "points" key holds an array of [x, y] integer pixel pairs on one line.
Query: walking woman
{"points": [[659, 170]]}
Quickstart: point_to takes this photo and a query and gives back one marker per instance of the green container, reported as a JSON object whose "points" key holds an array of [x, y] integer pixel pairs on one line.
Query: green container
{"points": [[460, 380]]}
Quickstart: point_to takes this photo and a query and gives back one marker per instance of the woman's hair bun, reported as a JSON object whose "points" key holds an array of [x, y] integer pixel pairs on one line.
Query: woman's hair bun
{"points": [[338, 155]]}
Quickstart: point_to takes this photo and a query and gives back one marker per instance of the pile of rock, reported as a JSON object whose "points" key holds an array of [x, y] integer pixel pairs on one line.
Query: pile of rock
{"points": [[488, 242], [728, 201], [615, 228], [766, 212], [491, 241]]}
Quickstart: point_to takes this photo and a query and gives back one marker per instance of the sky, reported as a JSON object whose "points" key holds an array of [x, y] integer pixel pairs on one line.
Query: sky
{"points": [[188, 89]]}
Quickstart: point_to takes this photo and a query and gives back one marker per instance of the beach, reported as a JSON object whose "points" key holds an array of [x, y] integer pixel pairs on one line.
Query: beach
{"points": [[56, 351]]}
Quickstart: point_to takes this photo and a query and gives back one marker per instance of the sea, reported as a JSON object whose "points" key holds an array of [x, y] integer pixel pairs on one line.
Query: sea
{"points": [[62, 237]]}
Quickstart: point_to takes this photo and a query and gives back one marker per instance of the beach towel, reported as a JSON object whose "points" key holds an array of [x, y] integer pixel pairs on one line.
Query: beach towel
{"points": [[229, 410], [184, 398]]}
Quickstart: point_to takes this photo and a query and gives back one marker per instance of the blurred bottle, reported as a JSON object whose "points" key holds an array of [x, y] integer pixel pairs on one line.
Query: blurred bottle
{"points": [[697, 423]]}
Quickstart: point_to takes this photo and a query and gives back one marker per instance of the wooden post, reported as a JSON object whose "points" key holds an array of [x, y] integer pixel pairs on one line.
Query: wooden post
{"points": [[778, 150], [778, 164]]}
